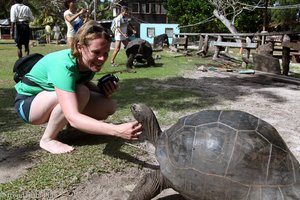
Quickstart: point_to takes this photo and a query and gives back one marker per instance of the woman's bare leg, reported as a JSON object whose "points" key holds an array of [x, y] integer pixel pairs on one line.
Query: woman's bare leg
{"points": [[116, 51], [100, 107], [52, 113], [56, 123], [92, 104]]}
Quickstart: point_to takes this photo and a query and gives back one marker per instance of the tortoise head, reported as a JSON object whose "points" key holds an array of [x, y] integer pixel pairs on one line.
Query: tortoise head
{"points": [[144, 115]]}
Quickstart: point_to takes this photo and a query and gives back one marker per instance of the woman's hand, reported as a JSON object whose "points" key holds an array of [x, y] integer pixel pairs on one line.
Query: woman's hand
{"points": [[109, 88], [130, 130], [108, 84]]}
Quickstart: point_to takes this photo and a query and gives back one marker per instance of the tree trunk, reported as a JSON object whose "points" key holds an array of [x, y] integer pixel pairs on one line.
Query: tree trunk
{"points": [[227, 23]]}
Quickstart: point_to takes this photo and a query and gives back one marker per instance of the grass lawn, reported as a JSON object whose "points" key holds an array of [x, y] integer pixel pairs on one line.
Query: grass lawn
{"points": [[94, 154]]}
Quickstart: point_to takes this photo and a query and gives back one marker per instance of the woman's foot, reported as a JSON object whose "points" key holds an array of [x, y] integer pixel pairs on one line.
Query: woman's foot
{"points": [[55, 147], [113, 64]]}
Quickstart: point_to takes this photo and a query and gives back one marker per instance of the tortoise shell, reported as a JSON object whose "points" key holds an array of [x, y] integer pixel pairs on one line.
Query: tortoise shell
{"points": [[227, 155], [139, 50], [133, 47]]}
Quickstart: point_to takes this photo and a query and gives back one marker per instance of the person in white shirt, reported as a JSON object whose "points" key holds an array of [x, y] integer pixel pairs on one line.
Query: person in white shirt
{"points": [[56, 30], [20, 16], [73, 20], [121, 32]]}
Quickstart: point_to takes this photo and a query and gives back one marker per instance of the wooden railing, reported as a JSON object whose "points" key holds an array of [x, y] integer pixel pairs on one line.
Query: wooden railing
{"points": [[286, 42]]}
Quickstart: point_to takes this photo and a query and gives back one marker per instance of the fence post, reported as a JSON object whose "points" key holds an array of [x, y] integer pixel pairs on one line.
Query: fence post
{"points": [[200, 42], [285, 55], [217, 48]]}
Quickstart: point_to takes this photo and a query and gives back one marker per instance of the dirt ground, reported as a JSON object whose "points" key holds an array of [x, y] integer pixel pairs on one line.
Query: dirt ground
{"points": [[275, 102]]}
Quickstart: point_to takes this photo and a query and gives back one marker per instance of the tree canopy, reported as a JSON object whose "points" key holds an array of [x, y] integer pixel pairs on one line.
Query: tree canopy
{"points": [[227, 15], [52, 11], [192, 15], [286, 18]]}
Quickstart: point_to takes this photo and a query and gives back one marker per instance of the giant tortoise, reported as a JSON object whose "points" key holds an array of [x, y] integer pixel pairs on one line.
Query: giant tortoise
{"points": [[218, 155], [139, 50]]}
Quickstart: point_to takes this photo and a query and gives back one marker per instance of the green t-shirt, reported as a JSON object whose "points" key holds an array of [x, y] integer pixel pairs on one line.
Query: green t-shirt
{"points": [[58, 69]]}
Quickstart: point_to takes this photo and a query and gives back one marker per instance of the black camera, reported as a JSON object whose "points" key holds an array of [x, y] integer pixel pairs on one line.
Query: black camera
{"points": [[103, 80]]}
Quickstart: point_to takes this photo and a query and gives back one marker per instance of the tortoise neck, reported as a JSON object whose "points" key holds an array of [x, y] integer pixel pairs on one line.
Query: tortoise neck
{"points": [[153, 130]]}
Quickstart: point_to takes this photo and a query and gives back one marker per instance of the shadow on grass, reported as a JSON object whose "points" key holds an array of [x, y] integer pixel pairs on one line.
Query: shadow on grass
{"points": [[14, 161], [145, 65], [112, 148], [129, 70], [295, 75], [172, 95], [9, 121]]}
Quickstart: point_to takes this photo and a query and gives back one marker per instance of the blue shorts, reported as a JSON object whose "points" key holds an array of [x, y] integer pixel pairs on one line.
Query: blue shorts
{"points": [[22, 106]]}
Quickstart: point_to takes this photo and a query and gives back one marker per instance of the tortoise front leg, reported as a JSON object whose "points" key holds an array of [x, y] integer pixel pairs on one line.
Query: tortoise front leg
{"points": [[150, 61], [130, 60], [150, 186]]}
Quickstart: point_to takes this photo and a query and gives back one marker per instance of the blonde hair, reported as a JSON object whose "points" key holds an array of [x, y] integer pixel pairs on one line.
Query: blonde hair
{"points": [[89, 31]]}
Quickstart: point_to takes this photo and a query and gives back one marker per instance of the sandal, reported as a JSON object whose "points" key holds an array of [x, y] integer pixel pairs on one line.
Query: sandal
{"points": [[114, 64]]}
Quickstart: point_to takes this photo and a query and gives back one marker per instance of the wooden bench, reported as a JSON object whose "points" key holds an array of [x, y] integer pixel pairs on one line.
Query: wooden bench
{"points": [[291, 45], [234, 45], [246, 46], [177, 41]]}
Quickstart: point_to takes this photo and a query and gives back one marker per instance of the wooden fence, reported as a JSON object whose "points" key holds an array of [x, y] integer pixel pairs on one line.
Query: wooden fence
{"points": [[286, 42]]}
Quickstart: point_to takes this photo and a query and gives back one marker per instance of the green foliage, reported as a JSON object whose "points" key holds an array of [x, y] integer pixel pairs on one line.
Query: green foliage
{"points": [[5, 9], [249, 21], [49, 12], [192, 12], [189, 12], [285, 19], [104, 15]]}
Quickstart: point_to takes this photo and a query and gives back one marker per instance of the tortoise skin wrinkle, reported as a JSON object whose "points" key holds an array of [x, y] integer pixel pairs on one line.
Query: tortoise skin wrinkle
{"points": [[219, 155]]}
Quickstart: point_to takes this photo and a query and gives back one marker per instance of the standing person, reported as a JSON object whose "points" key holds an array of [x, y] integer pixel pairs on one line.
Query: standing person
{"points": [[73, 20], [121, 23], [65, 93], [56, 30], [20, 16], [48, 33]]}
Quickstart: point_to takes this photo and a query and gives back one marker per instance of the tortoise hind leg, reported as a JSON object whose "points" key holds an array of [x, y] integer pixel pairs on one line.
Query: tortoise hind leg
{"points": [[150, 186]]}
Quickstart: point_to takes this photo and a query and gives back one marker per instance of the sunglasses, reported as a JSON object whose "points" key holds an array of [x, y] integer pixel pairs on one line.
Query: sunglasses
{"points": [[96, 29], [100, 29]]}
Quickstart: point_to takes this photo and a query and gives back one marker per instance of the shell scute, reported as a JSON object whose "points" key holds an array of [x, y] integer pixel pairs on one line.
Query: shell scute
{"points": [[228, 155], [239, 120]]}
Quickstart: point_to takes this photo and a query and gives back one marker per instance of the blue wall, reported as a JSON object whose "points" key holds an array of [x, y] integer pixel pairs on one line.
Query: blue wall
{"points": [[158, 30]]}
